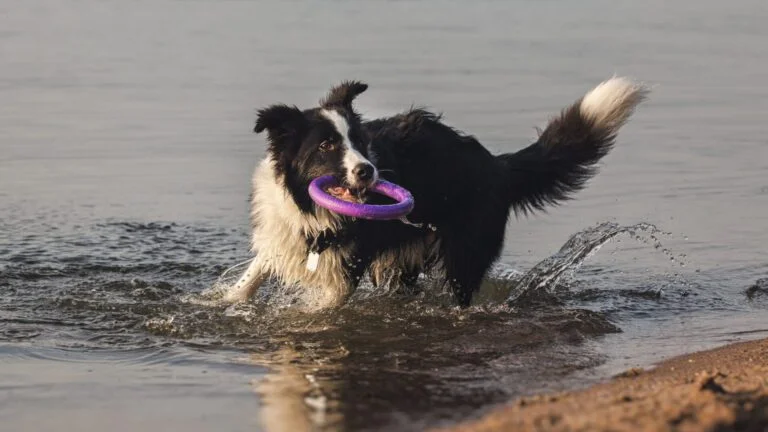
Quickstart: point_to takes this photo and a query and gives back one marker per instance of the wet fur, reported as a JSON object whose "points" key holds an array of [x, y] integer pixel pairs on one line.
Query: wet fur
{"points": [[459, 187]]}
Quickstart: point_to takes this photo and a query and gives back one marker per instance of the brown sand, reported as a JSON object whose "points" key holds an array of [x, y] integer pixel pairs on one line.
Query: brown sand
{"points": [[725, 389]]}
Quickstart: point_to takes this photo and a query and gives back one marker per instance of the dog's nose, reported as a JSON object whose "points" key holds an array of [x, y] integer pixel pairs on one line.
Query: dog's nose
{"points": [[363, 172]]}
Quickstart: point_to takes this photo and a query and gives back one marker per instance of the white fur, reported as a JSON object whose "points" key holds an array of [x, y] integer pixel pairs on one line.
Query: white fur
{"points": [[248, 284], [278, 240], [352, 157], [612, 102], [414, 255]]}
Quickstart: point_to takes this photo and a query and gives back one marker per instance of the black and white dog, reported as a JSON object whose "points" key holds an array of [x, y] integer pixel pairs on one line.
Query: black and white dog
{"points": [[463, 193]]}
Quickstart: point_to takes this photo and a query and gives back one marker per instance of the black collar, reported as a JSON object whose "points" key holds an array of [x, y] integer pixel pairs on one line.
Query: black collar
{"points": [[325, 239]]}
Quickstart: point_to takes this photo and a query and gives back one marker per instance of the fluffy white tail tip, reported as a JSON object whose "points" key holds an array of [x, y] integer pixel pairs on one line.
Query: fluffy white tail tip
{"points": [[612, 102]]}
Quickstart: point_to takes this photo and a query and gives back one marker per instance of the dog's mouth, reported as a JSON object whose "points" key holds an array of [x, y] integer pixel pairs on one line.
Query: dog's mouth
{"points": [[347, 194]]}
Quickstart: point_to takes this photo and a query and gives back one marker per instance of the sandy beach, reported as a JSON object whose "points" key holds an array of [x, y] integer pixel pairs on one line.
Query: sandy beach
{"points": [[724, 389]]}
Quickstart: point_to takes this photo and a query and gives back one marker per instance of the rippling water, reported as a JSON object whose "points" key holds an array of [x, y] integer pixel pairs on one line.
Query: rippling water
{"points": [[125, 160]]}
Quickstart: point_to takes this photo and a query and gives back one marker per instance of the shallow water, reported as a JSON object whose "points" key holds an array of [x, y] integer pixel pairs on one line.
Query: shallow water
{"points": [[124, 169]]}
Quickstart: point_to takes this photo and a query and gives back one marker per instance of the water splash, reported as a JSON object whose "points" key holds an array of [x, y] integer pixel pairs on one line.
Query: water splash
{"points": [[546, 274], [758, 291], [512, 284], [120, 288], [214, 295]]}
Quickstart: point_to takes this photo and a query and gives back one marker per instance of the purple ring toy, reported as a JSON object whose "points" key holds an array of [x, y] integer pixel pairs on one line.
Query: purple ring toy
{"points": [[403, 206]]}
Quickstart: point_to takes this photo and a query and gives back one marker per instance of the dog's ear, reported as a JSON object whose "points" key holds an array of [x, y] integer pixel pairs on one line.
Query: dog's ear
{"points": [[343, 94], [278, 120]]}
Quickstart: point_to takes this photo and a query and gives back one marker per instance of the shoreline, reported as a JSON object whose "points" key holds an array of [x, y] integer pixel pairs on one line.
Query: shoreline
{"points": [[720, 389]]}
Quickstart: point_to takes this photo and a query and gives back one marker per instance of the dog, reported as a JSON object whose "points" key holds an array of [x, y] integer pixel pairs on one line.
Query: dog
{"points": [[463, 194]]}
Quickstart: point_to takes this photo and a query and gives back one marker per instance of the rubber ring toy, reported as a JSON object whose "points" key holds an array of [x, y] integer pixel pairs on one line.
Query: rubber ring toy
{"points": [[398, 210]]}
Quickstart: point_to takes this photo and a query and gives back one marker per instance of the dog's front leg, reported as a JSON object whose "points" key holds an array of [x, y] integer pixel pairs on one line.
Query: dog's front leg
{"points": [[248, 284]]}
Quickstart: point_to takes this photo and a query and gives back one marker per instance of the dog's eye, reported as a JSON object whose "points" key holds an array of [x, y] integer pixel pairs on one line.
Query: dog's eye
{"points": [[327, 146]]}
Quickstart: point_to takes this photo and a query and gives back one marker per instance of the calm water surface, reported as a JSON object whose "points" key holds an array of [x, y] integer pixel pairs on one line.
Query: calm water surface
{"points": [[125, 156]]}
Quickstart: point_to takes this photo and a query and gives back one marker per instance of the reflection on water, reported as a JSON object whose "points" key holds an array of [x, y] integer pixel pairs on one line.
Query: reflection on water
{"points": [[408, 373], [125, 160], [384, 361]]}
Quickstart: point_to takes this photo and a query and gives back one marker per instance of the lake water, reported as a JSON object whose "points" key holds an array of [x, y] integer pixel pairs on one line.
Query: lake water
{"points": [[126, 150]]}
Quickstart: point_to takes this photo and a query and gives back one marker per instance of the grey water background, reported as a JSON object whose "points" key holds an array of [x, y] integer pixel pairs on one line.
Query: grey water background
{"points": [[125, 159]]}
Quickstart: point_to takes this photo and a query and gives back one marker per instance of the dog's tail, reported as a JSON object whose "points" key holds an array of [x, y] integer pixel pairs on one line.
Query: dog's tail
{"points": [[564, 158]]}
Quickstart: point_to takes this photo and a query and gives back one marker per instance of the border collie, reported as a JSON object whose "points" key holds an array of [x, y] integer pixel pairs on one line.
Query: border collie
{"points": [[463, 194]]}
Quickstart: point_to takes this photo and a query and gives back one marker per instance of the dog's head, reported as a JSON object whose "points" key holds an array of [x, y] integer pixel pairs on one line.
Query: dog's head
{"points": [[326, 140]]}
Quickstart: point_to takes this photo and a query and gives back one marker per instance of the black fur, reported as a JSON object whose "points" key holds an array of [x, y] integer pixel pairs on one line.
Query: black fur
{"points": [[294, 138], [459, 187]]}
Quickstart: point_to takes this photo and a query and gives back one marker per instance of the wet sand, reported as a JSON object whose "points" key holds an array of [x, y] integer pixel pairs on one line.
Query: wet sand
{"points": [[717, 390]]}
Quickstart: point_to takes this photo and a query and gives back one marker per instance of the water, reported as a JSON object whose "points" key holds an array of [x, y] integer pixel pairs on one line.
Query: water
{"points": [[125, 160]]}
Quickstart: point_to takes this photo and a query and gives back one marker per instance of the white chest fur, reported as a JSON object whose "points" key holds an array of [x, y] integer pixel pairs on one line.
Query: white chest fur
{"points": [[279, 237]]}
